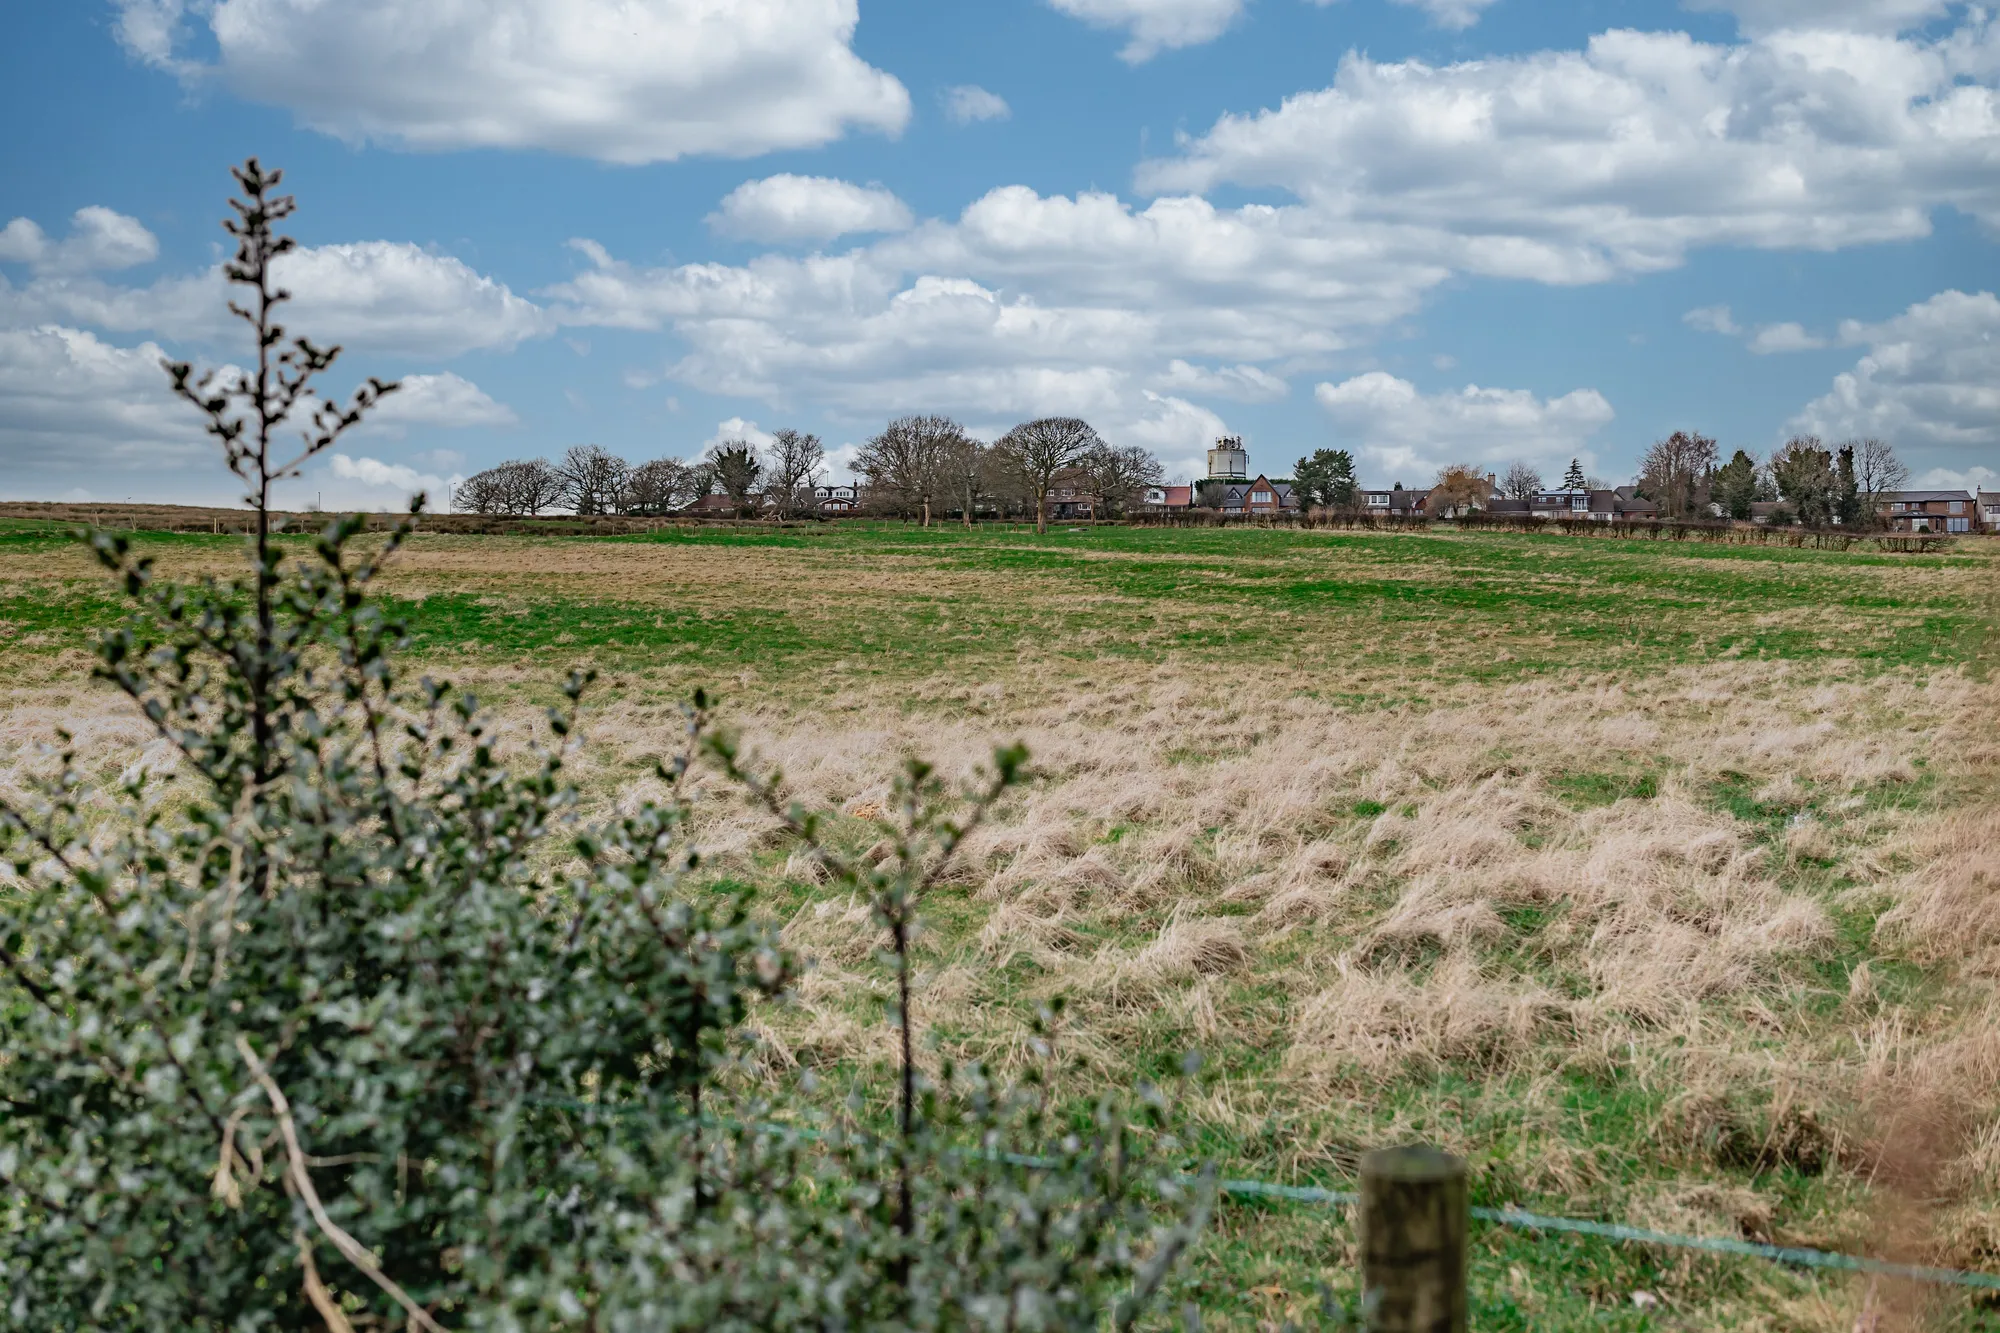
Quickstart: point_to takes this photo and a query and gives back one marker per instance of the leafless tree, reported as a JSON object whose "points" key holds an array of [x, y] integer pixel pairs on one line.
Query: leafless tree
{"points": [[908, 466], [1675, 473], [1118, 475], [1459, 486], [968, 468], [792, 465], [592, 479], [1877, 471], [662, 486], [1521, 481], [520, 487], [1034, 452], [1210, 494]]}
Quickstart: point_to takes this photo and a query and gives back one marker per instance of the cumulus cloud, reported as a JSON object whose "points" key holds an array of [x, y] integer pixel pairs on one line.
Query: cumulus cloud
{"points": [[969, 102], [1249, 384], [1577, 166], [360, 484], [99, 239], [627, 81], [381, 296], [1712, 319], [1402, 430], [1929, 380], [1849, 15], [1456, 15], [807, 208], [69, 398], [442, 401], [1156, 25], [1784, 338], [1975, 478]]}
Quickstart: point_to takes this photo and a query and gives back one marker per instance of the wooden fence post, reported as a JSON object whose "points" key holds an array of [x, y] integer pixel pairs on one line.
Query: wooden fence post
{"points": [[1413, 1238]]}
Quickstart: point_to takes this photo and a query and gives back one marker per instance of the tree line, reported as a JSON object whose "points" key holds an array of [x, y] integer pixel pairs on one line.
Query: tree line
{"points": [[1810, 481], [917, 467]]}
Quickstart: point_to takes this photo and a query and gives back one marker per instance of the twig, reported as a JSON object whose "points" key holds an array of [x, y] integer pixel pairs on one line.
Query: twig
{"points": [[350, 1248]]}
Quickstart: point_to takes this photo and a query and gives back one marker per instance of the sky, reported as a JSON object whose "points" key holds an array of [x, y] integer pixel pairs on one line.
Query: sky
{"points": [[1424, 231]]}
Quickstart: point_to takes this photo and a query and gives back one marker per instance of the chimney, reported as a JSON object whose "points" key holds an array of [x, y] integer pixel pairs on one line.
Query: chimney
{"points": [[1492, 482]]}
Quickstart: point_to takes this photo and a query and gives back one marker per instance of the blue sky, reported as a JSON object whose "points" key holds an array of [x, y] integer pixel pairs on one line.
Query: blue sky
{"points": [[1424, 230]]}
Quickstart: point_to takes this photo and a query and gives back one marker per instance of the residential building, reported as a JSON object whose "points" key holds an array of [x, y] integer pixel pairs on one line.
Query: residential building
{"points": [[1394, 502], [1262, 496], [1167, 499], [1989, 510], [1929, 511], [837, 501]]}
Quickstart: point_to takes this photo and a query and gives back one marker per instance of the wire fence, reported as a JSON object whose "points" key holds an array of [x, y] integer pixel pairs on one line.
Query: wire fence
{"points": [[1794, 1255]]}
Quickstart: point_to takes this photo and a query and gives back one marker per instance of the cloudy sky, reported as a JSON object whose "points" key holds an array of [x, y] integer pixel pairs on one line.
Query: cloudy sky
{"points": [[1424, 230]]}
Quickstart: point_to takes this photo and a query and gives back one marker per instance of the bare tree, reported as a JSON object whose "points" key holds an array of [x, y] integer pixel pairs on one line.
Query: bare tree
{"points": [[1676, 473], [592, 479], [520, 487], [1521, 481], [1118, 475], [1034, 452], [1459, 487], [792, 465], [968, 468], [737, 470], [1210, 494], [662, 486], [1877, 472], [908, 466]]}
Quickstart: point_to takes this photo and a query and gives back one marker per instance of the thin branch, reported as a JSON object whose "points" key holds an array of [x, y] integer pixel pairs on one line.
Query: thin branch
{"points": [[301, 1178]]}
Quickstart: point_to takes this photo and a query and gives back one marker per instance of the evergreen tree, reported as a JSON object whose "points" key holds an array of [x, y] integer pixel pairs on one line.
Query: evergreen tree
{"points": [[1736, 485], [1573, 479], [1325, 480]]}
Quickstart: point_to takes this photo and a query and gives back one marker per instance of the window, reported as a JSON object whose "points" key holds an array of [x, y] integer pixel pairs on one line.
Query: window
{"points": [[1958, 506], [1260, 497], [1378, 500], [1580, 504], [1959, 524]]}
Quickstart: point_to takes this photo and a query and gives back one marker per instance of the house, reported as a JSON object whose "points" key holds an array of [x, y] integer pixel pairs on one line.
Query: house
{"points": [[1262, 496], [1069, 497], [1167, 499], [717, 505], [1620, 504], [837, 501], [1394, 503], [1929, 511], [1989, 510]]}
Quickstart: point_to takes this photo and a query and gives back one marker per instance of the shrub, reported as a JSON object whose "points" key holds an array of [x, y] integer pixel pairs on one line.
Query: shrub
{"points": [[355, 1022]]}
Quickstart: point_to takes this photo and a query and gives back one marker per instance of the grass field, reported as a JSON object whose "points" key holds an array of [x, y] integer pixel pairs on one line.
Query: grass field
{"points": [[1663, 882]]}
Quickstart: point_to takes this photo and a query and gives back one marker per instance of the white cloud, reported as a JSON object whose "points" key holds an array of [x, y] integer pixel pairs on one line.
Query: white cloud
{"points": [[1577, 166], [98, 239], [1852, 15], [1930, 378], [807, 208], [349, 483], [1784, 338], [969, 102], [626, 81], [1246, 383], [1456, 15], [1404, 431], [1712, 319], [1975, 478], [440, 402], [381, 296], [1156, 25], [70, 400], [732, 431]]}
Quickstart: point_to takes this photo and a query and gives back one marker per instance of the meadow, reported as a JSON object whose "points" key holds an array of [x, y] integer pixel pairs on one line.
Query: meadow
{"points": [[1660, 882]]}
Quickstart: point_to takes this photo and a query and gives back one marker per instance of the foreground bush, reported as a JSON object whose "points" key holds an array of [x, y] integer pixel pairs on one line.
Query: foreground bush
{"points": [[352, 1022]]}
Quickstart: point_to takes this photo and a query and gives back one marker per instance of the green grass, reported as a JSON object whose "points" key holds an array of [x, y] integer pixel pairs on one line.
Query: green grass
{"points": [[1367, 624]]}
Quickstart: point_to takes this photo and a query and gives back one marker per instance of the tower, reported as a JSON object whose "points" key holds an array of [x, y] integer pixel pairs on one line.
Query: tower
{"points": [[1229, 460]]}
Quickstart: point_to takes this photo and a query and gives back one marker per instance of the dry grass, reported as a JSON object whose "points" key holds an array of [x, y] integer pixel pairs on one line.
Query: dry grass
{"points": [[1713, 947]]}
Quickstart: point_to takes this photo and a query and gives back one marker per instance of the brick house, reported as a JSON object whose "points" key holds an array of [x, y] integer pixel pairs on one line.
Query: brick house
{"points": [[1167, 499], [1929, 511], [1262, 496]]}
